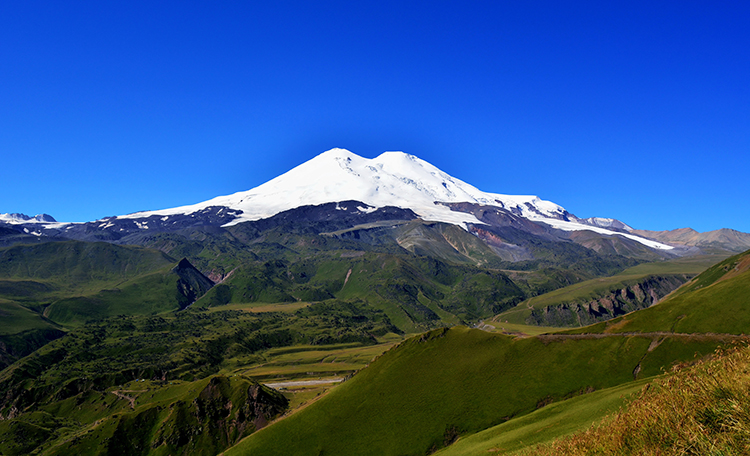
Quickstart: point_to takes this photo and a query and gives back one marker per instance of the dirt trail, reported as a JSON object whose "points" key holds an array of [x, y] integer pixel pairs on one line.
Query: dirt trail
{"points": [[121, 395], [699, 336]]}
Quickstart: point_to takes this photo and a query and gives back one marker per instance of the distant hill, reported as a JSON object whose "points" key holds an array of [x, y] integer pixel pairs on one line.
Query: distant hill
{"points": [[723, 239], [49, 286]]}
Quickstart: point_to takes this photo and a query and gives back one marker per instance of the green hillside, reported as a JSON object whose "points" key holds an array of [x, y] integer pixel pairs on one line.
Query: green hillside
{"points": [[48, 287], [171, 288], [73, 265], [417, 293], [34, 276], [547, 423]]}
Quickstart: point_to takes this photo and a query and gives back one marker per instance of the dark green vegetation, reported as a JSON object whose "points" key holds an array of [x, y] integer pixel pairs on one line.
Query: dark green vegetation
{"points": [[156, 348], [74, 382], [183, 345], [146, 417]]}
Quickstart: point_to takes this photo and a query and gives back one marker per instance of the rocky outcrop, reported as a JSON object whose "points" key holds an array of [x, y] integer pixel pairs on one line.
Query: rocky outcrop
{"points": [[192, 284], [225, 410], [637, 295]]}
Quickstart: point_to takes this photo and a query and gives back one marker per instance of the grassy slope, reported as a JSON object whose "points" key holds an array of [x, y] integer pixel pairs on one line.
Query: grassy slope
{"points": [[145, 295], [14, 318], [421, 395], [33, 276], [78, 266], [547, 423]]}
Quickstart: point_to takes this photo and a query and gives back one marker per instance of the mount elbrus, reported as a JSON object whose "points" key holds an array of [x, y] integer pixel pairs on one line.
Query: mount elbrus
{"points": [[371, 189]]}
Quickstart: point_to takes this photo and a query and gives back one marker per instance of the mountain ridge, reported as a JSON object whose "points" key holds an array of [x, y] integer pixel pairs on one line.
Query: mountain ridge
{"points": [[689, 237], [392, 179]]}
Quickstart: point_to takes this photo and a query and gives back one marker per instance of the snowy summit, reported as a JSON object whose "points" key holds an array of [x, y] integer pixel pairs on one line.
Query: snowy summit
{"points": [[391, 179]]}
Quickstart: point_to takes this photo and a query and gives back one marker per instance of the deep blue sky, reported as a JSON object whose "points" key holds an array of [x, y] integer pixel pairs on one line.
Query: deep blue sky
{"points": [[634, 110]]}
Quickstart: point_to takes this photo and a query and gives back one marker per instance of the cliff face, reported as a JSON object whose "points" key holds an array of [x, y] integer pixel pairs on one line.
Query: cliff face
{"points": [[638, 295]]}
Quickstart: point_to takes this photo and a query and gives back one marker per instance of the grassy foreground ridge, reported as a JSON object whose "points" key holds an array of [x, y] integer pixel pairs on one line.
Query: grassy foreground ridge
{"points": [[425, 393]]}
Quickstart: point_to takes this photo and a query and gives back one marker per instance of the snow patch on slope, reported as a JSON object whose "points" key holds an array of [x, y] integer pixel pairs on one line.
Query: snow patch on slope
{"points": [[573, 226], [606, 223]]}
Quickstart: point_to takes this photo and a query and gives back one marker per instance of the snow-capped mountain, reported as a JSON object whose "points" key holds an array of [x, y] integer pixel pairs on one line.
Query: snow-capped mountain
{"points": [[391, 179], [19, 219]]}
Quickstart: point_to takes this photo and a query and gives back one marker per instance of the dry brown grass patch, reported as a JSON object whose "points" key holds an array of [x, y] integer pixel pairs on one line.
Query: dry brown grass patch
{"points": [[702, 409]]}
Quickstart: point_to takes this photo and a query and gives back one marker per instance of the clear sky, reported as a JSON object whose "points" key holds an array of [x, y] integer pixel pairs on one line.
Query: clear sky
{"points": [[638, 111]]}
